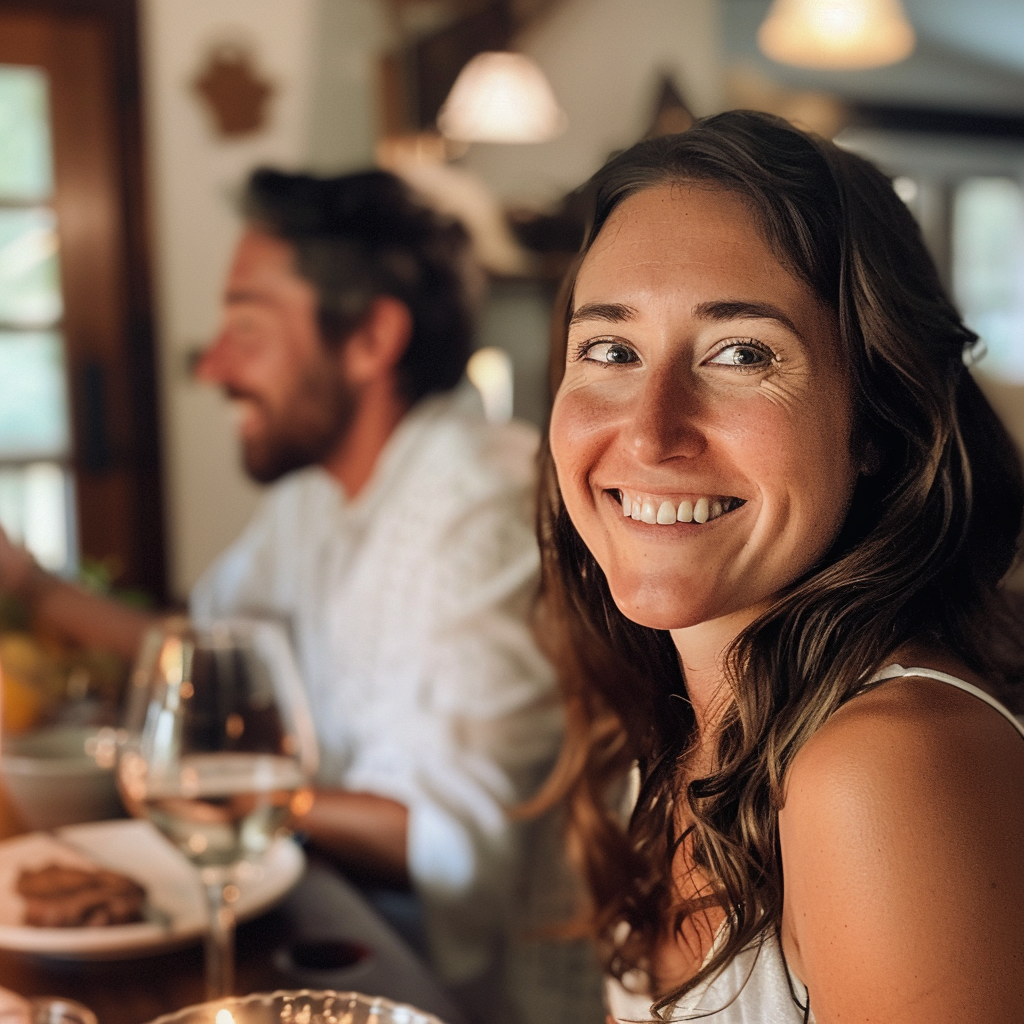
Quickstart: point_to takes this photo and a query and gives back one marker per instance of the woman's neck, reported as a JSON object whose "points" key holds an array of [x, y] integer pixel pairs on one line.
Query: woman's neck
{"points": [[702, 649]]}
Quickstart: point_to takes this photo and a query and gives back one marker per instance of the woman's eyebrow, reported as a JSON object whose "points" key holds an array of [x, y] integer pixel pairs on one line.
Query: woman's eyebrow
{"points": [[739, 310], [609, 312]]}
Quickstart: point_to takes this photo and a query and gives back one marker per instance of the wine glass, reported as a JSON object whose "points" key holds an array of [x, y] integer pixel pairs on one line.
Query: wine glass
{"points": [[219, 753]]}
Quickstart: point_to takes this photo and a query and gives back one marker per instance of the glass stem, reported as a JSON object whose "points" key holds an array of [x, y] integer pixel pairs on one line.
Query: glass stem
{"points": [[220, 944]]}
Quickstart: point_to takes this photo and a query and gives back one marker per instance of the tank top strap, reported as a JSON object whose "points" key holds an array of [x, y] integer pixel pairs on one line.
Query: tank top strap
{"points": [[898, 671]]}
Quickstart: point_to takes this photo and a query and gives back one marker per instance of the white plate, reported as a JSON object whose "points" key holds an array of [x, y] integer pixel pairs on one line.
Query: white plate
{"points": [[176, 905]]}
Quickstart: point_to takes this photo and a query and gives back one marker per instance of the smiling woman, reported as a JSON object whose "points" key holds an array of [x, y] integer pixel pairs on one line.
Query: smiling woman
{"points": [[771, 483], [719, 391]]}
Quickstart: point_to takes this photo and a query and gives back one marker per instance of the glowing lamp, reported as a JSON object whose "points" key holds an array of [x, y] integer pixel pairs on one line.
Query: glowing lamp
{"points": [[501, 97], [490, 370], [836, 34]]}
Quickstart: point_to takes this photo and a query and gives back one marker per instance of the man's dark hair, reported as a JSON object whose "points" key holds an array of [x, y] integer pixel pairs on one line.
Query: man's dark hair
{"points": [[363, 235]]}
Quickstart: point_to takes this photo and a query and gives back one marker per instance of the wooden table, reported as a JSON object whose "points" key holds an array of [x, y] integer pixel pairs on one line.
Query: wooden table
{"points": [[324, 906]]}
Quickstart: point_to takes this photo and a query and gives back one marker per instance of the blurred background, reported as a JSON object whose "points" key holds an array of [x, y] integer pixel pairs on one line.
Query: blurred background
{"points": [[126, 127]]}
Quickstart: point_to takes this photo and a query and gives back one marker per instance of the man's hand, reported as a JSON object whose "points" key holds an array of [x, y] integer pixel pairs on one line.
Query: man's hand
{"points": [[366, 833]]}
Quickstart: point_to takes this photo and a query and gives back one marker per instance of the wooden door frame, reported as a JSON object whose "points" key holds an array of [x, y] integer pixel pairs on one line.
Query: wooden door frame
{"points": [[117, 437]]}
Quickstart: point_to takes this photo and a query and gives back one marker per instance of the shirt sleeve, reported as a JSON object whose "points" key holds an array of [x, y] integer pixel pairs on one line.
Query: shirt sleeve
{"points": [[490, 726]]}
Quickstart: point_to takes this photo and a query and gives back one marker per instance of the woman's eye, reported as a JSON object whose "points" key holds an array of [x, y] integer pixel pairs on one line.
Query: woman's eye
{"points": [[742, 354], [609, 352]]}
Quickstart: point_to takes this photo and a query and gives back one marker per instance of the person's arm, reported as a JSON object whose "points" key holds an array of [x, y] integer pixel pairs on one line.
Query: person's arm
{"points": [[902, 842], [69, 610], [367, 834]]}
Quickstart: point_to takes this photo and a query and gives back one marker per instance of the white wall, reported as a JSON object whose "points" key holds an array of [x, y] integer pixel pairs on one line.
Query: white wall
{"points": [[604, 59], [193, 172], [350, 36]]}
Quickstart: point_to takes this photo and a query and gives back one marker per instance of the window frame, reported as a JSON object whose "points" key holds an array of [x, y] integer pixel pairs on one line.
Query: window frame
{"points": [[100, 200]]}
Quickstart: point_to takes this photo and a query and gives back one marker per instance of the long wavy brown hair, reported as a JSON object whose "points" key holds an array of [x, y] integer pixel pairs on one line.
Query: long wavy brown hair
{"points": [[927, 539]]}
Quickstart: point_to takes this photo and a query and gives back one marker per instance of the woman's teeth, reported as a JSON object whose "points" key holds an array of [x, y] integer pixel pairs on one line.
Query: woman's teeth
{"points": [[665, 513]]}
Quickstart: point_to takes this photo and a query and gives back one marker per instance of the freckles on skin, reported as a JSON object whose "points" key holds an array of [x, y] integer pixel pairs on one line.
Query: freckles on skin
{"points": [[580, 422]]}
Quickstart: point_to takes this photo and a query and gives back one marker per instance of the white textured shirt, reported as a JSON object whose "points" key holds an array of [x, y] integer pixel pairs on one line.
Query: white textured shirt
{"points": [[409, 610]]}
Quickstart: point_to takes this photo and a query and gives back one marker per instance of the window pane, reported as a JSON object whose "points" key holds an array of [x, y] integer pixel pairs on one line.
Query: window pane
{"points": [[29, 272], [26, 163], [988, 269], [33, 396], [36, 504]]}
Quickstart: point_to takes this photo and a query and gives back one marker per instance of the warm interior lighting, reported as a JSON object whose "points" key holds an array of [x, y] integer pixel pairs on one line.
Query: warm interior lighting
{"points": [[501, 97], [836, 33], [490, 370]]}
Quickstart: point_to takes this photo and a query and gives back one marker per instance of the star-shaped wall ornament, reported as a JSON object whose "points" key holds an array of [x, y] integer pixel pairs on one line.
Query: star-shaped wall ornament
{"points": [[235, 93]]}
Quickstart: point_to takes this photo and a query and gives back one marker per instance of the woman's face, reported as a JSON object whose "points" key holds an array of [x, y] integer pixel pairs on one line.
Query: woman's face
{"points": [[702, 431]]}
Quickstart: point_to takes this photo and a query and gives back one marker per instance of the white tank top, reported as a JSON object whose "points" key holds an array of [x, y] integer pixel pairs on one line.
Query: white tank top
{"points": [[756, 986]]}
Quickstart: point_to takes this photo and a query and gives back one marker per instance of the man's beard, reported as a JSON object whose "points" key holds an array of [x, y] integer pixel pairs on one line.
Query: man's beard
{"points": [[306, 431]]}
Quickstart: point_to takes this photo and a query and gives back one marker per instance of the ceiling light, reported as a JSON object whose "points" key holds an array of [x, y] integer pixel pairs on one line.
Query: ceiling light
{"points": [[501, 97], [837, 34]]}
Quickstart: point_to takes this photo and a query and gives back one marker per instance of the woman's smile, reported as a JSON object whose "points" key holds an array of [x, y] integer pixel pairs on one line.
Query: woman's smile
{"points": [[644, 507], [702, 430]]}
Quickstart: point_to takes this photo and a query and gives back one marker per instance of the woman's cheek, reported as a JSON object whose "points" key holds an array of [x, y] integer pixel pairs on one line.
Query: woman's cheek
{"points": [[577, 436], [584, 413]]}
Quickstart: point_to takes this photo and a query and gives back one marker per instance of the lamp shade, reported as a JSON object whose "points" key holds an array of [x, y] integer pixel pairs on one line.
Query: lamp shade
{"points": [[837, 34], [501, 97]]}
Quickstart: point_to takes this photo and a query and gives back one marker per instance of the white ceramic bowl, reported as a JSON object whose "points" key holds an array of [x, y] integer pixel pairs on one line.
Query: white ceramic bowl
{"points": [[60, 776], [304, 1006]]}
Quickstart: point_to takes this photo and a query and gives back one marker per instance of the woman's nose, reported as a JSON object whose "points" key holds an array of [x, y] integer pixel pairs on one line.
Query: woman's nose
{"points": [[666, 421]]}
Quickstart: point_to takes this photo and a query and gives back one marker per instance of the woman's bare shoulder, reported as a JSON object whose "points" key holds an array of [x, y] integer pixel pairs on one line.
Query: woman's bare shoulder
{"points": [[902, 840], [903, 746], [941, 732]]}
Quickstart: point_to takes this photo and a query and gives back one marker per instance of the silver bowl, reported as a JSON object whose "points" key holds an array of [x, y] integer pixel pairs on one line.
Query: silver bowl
{"points": [[304, 1006]]}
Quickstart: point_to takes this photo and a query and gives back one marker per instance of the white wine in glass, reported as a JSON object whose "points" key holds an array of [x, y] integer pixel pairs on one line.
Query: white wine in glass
{"points": [[219, 755]]}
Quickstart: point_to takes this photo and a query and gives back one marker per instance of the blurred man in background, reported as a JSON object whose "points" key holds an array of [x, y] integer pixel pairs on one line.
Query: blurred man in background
{"points": [[397, 540]]}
